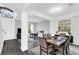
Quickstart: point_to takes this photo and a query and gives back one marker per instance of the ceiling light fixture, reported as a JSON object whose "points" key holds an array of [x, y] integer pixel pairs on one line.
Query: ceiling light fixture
{"points": [[56, 9]]}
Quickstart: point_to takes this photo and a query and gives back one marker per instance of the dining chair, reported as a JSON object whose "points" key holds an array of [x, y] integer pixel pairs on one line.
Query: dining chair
{"points": [[44, 46], [62, 34], [49, 36], [67, 43], [45, 36]]}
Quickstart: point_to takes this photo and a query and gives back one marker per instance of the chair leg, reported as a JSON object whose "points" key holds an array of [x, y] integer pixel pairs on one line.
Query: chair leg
{"points": [[63, 51], [47, 52], [40, 51], [66, 50], [54, 50]]}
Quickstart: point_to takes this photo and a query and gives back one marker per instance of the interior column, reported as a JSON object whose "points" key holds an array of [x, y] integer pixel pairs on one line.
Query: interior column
{"points": [[24, 31]]}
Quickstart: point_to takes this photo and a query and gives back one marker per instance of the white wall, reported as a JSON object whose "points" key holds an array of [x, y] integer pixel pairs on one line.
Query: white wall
{"points": [[75, 30], [17, 24], [43, 25], [53, 26], [8, 28], [1, 38], [1, 42]]}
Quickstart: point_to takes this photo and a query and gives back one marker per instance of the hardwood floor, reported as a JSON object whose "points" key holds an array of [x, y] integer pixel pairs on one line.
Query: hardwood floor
{"points": [[32, 43], [12, 47], [33, 46]]}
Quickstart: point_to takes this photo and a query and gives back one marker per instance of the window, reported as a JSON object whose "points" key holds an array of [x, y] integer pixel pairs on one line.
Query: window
{"points": [[6, 12], [31, 28], [64, 25]]}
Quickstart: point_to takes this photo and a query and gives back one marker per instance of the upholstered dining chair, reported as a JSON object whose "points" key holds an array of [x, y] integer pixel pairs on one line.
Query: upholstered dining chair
{"points": [[62, 34], [67, 43], [49, 36], [45, 36], [44, 46]]}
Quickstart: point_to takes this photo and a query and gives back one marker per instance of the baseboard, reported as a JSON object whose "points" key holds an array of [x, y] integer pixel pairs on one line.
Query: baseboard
{"points": [[74, 44], [25, 52]]}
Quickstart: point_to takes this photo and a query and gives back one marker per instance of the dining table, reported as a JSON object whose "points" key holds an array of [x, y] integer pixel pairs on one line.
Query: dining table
{"points": [[57, 43]]}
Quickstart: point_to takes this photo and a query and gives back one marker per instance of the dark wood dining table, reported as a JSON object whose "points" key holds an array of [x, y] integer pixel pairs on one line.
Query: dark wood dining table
{"points": [[57, 43]]}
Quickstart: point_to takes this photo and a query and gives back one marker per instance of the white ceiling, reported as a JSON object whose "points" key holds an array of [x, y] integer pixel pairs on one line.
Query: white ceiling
{"points": [[41, 9], [44, 7]]}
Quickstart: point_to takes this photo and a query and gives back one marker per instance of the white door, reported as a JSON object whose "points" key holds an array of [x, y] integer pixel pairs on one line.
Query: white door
{"points": [[8, 28]]}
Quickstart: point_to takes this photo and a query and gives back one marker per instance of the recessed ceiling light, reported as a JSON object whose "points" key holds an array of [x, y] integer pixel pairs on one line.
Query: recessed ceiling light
{"points": [[56, 9]]}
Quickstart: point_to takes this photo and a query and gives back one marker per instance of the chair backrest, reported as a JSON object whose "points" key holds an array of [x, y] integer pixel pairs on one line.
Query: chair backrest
{"points": [[62, 34], [67, 41], [49, 35], [45, 36], [43, 42]]}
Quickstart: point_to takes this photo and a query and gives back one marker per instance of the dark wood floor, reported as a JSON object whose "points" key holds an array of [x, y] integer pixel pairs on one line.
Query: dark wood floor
{"points": [[12, 47]]}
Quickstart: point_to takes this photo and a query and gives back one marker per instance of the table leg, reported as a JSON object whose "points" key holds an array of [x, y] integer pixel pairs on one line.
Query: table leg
{"points": [[63, 51], [53, 50]]}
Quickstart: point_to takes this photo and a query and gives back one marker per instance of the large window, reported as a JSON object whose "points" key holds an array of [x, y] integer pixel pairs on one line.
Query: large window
{"points": [[6, 12], [64, 25]]}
